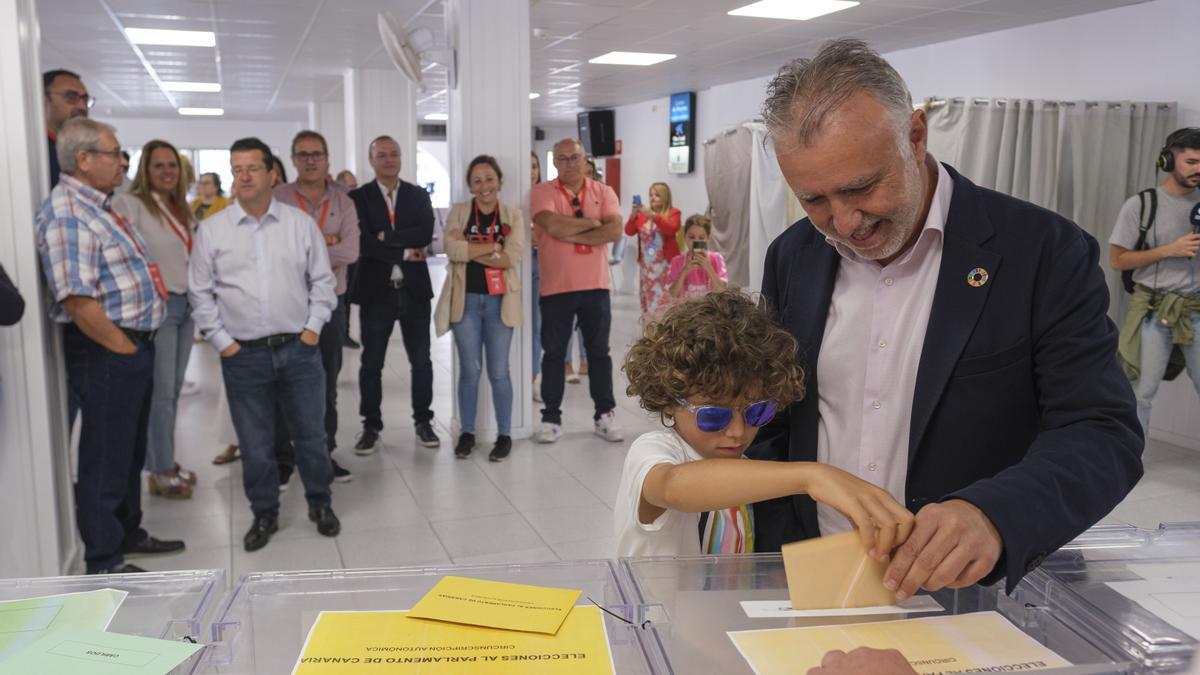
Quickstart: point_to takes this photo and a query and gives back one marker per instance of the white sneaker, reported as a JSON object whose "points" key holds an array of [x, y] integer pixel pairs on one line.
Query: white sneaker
{"points": [[549, 433], [605, 428], [537, 388], [189, 388]]}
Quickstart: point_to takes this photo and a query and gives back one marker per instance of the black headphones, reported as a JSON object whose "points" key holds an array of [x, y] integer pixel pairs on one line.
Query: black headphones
{"points": [[1187, 137]]}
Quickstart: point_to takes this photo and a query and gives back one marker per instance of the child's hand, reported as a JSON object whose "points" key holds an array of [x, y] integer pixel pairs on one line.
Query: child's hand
{"points": [[881, 521]]}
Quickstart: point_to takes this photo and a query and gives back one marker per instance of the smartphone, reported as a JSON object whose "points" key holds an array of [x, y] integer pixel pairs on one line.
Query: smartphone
{"points": [[699, 245], [637, 200]]}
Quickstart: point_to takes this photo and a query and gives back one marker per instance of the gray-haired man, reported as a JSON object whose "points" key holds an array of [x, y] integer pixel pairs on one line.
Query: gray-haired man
{"points": [[956, 339]]}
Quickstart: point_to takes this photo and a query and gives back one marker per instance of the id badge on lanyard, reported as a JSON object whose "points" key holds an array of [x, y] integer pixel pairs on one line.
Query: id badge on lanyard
{"points": [[495, 281]]}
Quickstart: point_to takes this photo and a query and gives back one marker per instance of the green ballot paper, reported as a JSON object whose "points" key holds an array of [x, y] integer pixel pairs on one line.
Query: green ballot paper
{"points": [[95, 652], [23, 621]]}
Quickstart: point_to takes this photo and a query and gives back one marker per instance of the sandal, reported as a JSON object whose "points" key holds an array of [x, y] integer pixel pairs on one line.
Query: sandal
{"points": [[171, 487], [231, 454], [188, 477]]}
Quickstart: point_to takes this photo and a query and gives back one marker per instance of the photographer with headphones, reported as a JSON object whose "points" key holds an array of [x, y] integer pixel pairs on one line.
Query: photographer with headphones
{"points": [[1154, 245]]}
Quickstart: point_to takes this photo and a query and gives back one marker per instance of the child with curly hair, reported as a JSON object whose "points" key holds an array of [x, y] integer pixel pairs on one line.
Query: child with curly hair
{"points": [[716, 370]]}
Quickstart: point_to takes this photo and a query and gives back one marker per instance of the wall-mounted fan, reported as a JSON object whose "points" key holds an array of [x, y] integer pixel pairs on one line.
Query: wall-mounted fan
{"points": [[407, 49]]}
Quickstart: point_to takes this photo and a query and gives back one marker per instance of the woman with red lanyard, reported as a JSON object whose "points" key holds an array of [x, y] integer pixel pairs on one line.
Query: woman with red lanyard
{"points": [[481, 300], [156, 204], [655, 227]]}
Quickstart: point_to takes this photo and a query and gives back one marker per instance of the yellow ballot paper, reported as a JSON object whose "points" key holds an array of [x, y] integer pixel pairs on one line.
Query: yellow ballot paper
{"points": [[942, 644], [394, 642], [495, 604], [834, 572]]}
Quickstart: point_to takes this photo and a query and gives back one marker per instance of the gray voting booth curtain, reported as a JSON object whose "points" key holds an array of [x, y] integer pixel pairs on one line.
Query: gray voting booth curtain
{"points": [[1082, 159], [727, 180]]}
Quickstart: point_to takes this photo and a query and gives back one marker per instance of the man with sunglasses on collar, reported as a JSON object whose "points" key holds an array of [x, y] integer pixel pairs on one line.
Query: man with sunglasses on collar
{"points": [[66, 98], [574, 220]]}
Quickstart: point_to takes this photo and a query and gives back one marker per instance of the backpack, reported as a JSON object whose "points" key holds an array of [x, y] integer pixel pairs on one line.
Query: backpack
{"points": [[1147, 222]]}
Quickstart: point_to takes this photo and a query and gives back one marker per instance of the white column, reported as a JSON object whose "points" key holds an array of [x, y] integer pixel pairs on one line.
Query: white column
{"points": [[386, 103], [350, 119], [331, 122], [38, 531], [489, 114]]}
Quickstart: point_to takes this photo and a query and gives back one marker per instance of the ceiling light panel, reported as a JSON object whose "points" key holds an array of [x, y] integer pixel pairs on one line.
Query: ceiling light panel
{"points": [[202, 112], [176, 38], [793, 10], [631, 58], [199, 87]]}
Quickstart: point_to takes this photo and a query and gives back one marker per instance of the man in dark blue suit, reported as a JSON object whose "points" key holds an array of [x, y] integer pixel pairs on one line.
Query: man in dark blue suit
{"points": [[955, 339], [392, 286]]}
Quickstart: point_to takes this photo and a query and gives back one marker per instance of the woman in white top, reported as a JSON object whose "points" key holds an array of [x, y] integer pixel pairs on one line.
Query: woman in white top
{"points": [[156, 204]]}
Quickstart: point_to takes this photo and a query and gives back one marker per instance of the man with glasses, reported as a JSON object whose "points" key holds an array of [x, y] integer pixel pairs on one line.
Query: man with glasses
{"points": [[110, 296], [261, 289], [393, 286], [327, 204], [65, 98], [574, 218]]}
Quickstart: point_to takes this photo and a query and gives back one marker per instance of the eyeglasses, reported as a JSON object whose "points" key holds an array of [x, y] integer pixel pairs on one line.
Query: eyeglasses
{"points": [[563, 159], [309, 156], [578, 207], [713, 418], [74, 97], [115, 153], [251, 170]]}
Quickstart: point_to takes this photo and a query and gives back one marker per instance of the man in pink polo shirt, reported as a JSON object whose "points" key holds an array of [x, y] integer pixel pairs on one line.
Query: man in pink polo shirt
{"points": [[574, 220]]}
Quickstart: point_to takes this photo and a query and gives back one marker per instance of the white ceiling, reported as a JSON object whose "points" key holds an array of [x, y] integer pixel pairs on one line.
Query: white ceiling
{"points": [[274, 56]]}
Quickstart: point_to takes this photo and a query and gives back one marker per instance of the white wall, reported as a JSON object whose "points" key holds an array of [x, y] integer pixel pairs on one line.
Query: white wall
{"points": [[331, 123], [204, 132], [644, 133], [1141, 52]]}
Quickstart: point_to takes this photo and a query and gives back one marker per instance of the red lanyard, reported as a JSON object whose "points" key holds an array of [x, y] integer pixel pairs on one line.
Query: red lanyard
{"points": [[126, 229], [324, 211], [388, 198], [184, 233], [582, 193], [491, 234]]}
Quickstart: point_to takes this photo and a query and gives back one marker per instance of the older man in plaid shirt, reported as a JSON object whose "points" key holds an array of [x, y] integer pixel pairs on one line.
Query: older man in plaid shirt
{"points": [[110, 297]]}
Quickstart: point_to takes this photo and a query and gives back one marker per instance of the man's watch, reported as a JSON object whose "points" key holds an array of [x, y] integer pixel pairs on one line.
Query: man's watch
{"points": [[495, 255]]}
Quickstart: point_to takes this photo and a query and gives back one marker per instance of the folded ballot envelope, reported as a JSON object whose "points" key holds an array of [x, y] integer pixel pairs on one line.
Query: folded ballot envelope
{"points": [[834, 573]]}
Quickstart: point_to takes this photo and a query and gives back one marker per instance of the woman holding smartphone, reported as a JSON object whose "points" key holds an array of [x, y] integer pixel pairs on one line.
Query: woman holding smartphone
{"points": [[697, 271], [655, 227]]}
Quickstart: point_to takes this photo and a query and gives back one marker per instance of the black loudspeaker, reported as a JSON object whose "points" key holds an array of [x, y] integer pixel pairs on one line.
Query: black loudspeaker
{"points": [[539, 134], [597, 133]]}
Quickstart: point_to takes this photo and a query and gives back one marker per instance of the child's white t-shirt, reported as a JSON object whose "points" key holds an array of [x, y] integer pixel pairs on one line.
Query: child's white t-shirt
{"points": [[674, 532]]}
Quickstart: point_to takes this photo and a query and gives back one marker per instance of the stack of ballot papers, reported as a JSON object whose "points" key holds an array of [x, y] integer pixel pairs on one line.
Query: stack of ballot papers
{"points": [[834, 577], [67, 634], [465, 625]]}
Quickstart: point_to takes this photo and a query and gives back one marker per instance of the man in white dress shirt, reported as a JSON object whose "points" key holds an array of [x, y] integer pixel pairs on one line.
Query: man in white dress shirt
{"points": [[261, 289]]}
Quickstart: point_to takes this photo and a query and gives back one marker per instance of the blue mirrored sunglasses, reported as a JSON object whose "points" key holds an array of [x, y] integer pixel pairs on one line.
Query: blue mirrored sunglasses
{"points": [[712, 418]]}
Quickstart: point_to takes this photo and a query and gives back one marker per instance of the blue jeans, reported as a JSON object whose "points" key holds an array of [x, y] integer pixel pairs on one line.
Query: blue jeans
{"points": [[479, 329], [1156, 351], [172, 348], [113, 393], [536, 312], [290, 376]]}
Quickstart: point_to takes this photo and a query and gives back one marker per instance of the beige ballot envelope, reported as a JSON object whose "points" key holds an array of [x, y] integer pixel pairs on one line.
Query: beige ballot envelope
{"points": [[834, 572]]}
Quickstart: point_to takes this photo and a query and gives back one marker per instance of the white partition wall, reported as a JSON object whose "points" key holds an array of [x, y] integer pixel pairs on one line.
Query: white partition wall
{"points": [[377, 103], [489, 114], [37, 531]]}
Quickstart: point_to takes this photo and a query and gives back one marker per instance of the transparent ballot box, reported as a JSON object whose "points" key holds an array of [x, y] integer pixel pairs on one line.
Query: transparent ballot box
{"points": [[686, 605], [166, 605], [1141, 589], [262, 625]]}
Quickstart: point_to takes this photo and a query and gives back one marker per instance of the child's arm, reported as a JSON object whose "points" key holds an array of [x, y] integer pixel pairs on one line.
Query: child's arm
{"points": [[713, 484]]}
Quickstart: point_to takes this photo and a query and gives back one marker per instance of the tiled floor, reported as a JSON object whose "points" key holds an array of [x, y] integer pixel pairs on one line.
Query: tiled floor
{"points": [[409, 505]]}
